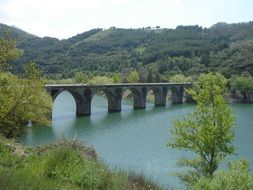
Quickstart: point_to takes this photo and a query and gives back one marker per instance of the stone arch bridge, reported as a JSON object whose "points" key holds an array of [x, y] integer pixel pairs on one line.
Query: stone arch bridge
{"points": [[83, 94]]}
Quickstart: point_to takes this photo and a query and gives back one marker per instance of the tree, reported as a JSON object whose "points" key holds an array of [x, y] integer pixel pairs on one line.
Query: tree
{"points": [[80, 77], [244, 84], [8, 52], [133, 77], [207, 131], [145, 75], [32, 72], [124, 74], [21, 99], [100, 80], [116, 78], [180, 78], [237, 177]]}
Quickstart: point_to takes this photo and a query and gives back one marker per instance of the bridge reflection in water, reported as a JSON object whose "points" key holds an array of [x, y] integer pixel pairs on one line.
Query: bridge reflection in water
{"points": [[83, 94]]}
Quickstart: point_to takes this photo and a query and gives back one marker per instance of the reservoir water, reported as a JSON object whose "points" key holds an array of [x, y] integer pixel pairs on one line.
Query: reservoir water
{"points": [[133, 140]]}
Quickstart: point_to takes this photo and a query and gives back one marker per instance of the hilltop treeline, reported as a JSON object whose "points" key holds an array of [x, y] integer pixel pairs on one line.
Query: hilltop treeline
{"points": [[155, 53]]}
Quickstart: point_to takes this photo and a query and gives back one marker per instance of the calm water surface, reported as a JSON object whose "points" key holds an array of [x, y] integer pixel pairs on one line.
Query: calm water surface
{"points": [[133, 139]]}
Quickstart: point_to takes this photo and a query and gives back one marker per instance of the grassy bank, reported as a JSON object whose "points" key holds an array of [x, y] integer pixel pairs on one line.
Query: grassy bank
{"points": [[62, 165]]}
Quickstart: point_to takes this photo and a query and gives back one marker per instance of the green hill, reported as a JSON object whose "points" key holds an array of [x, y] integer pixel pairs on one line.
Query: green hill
{"points": [[190, 50]]}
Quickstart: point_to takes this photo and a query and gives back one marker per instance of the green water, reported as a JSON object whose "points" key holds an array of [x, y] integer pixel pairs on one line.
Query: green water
{"points": [[133, 139]]}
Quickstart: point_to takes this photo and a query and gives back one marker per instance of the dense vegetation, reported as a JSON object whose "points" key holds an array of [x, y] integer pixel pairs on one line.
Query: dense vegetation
{"points": [[156, 54]]}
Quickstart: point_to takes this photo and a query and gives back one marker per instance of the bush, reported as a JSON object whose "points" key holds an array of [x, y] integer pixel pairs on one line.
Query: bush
{"points": [[237, 177], [67, 165]]}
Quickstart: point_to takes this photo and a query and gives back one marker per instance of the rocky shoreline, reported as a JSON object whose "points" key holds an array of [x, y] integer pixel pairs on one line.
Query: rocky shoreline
{"points": [[233, 97], [238, 97]]}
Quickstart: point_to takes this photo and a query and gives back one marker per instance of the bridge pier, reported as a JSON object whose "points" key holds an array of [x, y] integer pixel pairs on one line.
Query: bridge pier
{"points": [[160, 96], [114, 100], [114, 106], [83, 108], [83, 99], [140, 95], [160, 101], [177, 94], [140, 103]]}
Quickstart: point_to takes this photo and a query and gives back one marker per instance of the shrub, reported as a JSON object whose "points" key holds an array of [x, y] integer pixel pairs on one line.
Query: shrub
{"points": [[237, 177]]}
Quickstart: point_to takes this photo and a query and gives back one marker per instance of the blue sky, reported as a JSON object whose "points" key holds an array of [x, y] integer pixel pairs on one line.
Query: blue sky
{"points": [[66, 18]]}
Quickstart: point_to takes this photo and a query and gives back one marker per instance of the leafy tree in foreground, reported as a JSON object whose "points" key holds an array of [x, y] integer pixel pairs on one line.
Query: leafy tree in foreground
{"points": [[208, 131], [21, 99]]}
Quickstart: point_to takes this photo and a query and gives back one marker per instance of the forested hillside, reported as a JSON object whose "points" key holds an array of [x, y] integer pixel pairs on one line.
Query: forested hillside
{"points": [[154, 52]]}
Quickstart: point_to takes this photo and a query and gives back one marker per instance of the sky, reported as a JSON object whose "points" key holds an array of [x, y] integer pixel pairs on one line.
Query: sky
{"points": [[65, 18]]}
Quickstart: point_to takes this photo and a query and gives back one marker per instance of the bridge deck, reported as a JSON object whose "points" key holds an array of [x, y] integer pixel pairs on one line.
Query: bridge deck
{"points": [[117, 84]]}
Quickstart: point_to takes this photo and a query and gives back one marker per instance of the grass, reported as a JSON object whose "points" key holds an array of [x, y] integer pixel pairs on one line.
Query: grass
{"points": [[62, 165]]}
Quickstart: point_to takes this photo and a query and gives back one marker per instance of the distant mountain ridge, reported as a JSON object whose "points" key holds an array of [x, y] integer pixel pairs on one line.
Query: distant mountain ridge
{"points": [[190, 50], [16, 32]]}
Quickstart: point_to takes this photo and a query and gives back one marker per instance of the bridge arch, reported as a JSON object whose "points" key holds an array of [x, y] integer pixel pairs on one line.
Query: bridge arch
{"points": [[139, 96], [159, 96], [82, 98], [114, 97], [108, 93], [76, 98], [54, 93]]}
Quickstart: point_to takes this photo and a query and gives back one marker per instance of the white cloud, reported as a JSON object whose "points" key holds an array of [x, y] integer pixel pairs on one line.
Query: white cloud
{"points": [[65, 18]]}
